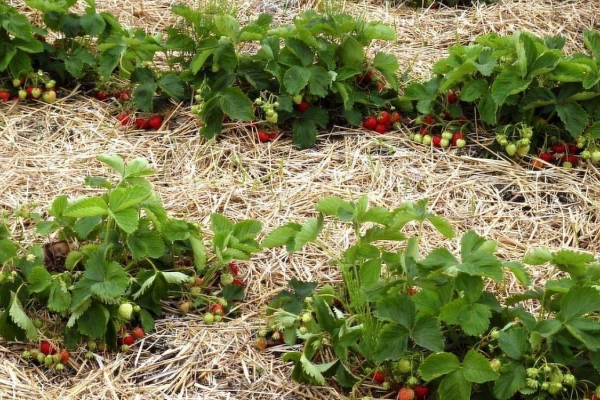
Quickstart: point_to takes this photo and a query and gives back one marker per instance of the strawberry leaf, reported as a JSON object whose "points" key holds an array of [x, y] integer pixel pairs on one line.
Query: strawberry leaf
{"points": [[39, 279], [137, 168], [122, 198], [93, 321], [427, 333], [514, 342], [126, 219], [60, 298], [392, 343], [236, 104], [439, 364], [21, 319], [454, 387], [573, 116], [172, 86], [512, 378], [113, 161], [199, 252], [8, 250], [145, 242], [309, 232], [283, 235], [296, 78], [86, 207]]}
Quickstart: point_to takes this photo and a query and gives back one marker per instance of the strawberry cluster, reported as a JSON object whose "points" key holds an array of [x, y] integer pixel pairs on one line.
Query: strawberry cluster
{"points": [[382, 122], [48, 355], [153, 122]]}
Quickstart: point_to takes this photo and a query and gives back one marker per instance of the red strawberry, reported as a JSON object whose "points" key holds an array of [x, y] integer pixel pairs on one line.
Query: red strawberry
{"points": [[64, 356], [559, 148], [452, 98], [142, 123], [274, 135], [128, 340], [263, 137], [137, 332], [217, 309], [370, 123], [303, 106], [456, 136], [378, 377], [124, 118], [237, 282], [573, 148], [47, 348], [4, 95], [411, 291], [155, 122], [436, 140], [100, 95], [365, 79], [260, 343], [233, 268], [381, 129], [545, 156], [384, 118], [421, 392], [429, 120], [395, 117], [424, 131], [406, 394], [122, 95], [569, 161]]}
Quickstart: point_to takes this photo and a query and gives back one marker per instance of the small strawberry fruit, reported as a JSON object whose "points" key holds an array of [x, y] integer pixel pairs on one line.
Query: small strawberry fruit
{"points": [[16, 82], [36, 92], [370, 123], [101, 95], [184, 307], [263, 137], [238, 282], [452, 98], [47, 348], [64, 356], [511, 149], [124, 118], [460, 143], [59, 366], [406, 394], [404, 366], [227, 279], [378, 377], [545, 156], [260, 343], [384, 118], [595, 156], [297, 99], [142, 123], [22, 94], [233, 268], [559, 148], [128, 340], [155, 122], [569, 161], [496, 364], [421, 392], [381, 129], [426, 140], [303, 106], [4, 95], [49, 96], [209, 318], [125, 311], [217, 309], [137, 332], [429, 120], [436, 140], [395, 117], [124, 348]]}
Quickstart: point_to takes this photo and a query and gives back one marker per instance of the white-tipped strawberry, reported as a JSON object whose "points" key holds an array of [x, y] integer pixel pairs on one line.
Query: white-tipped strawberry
{"points": [[125, 311]]}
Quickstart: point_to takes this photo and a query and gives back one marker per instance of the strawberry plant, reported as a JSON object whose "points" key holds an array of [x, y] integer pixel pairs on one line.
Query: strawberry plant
{"points": [[424, 323], [516, 83], [116, 257], [309, 68]]}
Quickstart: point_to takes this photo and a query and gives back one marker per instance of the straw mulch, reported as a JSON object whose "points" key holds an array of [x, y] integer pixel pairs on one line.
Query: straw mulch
{"points": [[47, 150]]}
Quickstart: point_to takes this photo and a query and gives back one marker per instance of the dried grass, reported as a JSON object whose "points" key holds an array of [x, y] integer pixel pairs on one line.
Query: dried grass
{"points": [[46, 150]]}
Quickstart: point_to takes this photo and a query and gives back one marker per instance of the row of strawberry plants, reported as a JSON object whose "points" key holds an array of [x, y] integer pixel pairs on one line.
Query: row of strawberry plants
{"points": [[114, 260], [424, 325], [521, 86], [313, 70]]}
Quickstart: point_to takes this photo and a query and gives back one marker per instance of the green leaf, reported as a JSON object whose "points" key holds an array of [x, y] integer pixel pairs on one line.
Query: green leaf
{"points": [[586, 330], [312, 371], [579, 301], [84, 226], [127, 219], [476, 368], [352, 53], [370, 272], [122, 198], [60, 298], [512, 379], [145, 243], [199, 251], [21, 319], [439, 364], [514, 342], [427, 333], [93, 321], [454, 387], [176, 229], [8, 250], [284, 235], [236, 104], [508, 83], [105, 279], [324, 315], [475, 318], [220, 223], [247, 229], [442, 226], [86, 207], [228, 26], [392, 343], [137, 168], [173, 277], [538, 256], [526, 53], [143, 95], [591, 40], [319, 81], [399, 309], [573, 116], [438, 258], [519, 271], [296, 78], [335, 206], [487, 108], [39, 279], [387, 64], [309, 232], [113, 161], [473, 89], [305, 126], [427, 302], [575, 263], [172, 86]]}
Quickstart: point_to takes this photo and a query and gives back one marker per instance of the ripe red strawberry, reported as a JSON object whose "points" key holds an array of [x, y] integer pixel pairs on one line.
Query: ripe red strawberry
{"points": [[424, 131], [155, 122], [569, 161], [421, 392], [124, 118], [217, 309], [274, 135], [137, 332], [411, 291], [381, 129], [233, 268], [559, 148], [573, 148], [122, 95], [429, 120], [238, 282], [378, 377], [142, 123], [384, 118], [370, 123], [4, 95], [303, 106], [101, 95], [447, 116], [406, 394], [365, 78], [395, 117], [263, 137], [47, 348], [545, 156], [456, 136], [452, 98], [64, 356], [128, 340], [436, 140]]}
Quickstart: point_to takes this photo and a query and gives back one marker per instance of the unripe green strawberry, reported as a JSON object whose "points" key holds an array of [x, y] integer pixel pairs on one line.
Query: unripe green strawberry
{"points": [[195, 291], [532, 383], [556, 376], [125, 311], [522, 150], [124, 348], [91, 345], [22, 94], [26, 354], [545, 385], [56, 358], [36, 92], [412, 381], [59, 366], [184, 307], [49, 361], [137, 309], [533, 372], [208, 318], [426, 140], [585, 155], [37, 323], [511, 149], [41, 358], [16, 82], [262, 333], [404, 366], [597, 391], [218, 318], [419, 138], [595, 156], [303, 330], [554, 387], [496, 364], [502, 140], [307, 317], [460, 143], [444, 143], [272, 118], [227, 279], [569, 380], [297, 99], [89, 355], [447, 135]]}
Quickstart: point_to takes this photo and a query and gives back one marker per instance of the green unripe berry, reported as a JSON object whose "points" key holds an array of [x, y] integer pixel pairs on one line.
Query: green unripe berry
{"points": [[209, 318]]}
